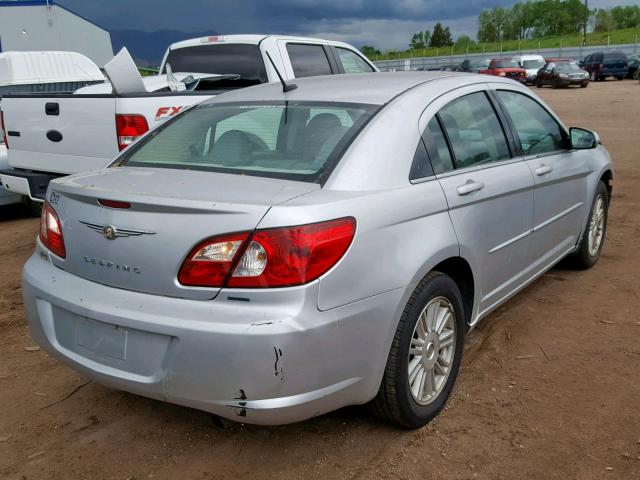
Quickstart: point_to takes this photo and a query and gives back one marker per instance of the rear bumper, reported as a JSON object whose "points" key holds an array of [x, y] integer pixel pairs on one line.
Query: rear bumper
{"points": [[30, 184], [274, 359]]}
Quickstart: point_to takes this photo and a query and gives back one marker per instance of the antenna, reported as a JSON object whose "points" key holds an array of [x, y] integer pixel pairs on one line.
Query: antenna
{"points": [[286, 87]]}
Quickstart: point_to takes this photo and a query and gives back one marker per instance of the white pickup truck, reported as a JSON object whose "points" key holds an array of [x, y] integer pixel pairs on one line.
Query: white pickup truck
{"points": [[52, 135]]}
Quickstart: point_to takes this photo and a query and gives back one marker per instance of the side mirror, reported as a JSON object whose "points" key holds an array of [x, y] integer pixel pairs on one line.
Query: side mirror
{"points": [[583, 139]]}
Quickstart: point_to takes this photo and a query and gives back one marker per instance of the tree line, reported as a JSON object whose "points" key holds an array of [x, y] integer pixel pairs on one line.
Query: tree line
{"points": [[530, 20]]}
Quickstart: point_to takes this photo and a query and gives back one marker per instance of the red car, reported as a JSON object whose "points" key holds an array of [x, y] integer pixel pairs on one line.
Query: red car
{"points": [[505, 67]]}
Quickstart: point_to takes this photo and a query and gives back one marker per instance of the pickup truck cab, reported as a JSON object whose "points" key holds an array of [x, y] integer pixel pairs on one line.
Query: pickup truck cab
{"points": [[53, 135], [506, 67]]}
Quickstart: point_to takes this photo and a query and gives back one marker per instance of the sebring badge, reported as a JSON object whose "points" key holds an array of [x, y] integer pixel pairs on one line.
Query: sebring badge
{"points": [[111, 232]]}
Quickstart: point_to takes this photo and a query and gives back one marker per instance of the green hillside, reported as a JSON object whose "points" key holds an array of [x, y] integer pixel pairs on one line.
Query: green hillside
{"points": [[615, 37]]}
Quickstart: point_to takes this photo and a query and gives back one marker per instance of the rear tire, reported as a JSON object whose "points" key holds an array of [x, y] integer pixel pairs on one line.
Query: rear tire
{"points": [[620, 77], [421, 369], [592, 240]]}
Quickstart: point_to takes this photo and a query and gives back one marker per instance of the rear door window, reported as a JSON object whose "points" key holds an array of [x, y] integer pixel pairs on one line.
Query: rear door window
{"points": [[352, 62], [474, 131], [308, 60], [538, 131]]}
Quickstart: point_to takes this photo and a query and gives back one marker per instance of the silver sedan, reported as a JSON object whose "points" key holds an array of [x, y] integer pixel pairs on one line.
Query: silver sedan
{"points": [[269, 256]]}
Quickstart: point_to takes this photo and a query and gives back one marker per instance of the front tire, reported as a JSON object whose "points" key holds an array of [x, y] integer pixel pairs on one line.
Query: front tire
{"points": [[592, 240], [425, 355]]}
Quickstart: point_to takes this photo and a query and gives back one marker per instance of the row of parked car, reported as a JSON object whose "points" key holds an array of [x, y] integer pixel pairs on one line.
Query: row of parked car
{"points": [[557, 72]]}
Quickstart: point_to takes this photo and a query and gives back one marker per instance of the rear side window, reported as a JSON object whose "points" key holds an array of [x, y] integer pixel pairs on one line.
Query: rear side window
{"points": [[352, 62], [293, 140], [438, 149], [537, 130], [308, 60], [243, 60], [615, 57], [475, 133]]}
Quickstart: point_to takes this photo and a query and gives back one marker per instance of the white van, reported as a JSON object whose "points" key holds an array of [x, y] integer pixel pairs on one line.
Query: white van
{"points": [[531, 63]]}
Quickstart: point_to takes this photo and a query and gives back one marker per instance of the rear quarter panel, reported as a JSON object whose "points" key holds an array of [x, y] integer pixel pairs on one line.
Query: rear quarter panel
{"points": [[401, 234]]}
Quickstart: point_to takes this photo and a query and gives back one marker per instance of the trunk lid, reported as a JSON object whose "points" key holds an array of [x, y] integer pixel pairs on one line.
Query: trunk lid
{"points": [[171, 211]]}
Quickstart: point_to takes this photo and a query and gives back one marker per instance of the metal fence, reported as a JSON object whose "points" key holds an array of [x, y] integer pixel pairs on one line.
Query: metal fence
{"points": [[415, 63]]}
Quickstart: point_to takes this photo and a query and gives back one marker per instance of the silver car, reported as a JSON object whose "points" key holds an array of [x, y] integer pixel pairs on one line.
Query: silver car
{"points": [[269, 256]]}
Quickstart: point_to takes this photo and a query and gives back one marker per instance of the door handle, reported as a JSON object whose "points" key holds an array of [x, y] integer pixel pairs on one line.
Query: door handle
{"points": [[543, 169], [470, 186]]}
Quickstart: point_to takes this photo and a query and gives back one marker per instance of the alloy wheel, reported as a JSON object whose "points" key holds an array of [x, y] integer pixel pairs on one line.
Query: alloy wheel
{"points": [[432, 350], [596, 226]]}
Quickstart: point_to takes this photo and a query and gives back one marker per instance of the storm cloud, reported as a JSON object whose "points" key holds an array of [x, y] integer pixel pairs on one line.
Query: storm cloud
{"points": [[384, 24]]}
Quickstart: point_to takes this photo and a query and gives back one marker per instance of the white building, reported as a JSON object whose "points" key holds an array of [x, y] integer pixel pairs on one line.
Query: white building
{"points": [[27, 25]]}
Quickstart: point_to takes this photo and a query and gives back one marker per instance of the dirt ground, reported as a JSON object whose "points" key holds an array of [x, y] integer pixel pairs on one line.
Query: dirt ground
{"points": [[550, 384]]}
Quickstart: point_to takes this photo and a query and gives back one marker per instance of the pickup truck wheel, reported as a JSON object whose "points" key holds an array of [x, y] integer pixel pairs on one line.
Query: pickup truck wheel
{"points": [[592, 240], [31, 208], [425, 354]]}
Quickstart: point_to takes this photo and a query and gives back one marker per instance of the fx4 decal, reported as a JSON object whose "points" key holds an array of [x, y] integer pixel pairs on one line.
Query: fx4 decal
{"points": [[165, 112]]}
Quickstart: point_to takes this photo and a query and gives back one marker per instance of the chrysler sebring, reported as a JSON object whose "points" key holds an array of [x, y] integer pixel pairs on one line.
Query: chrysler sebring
{"points": [[276, 253]]}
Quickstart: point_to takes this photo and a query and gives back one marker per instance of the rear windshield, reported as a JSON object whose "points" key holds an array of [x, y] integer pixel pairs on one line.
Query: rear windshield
{"points": [[239, 59], [293, 141]]}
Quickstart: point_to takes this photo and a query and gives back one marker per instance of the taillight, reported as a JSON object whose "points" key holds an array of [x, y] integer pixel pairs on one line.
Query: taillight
{"points": [[130, 127], [4, 132], [211, 261], [51, 231], [281, 257], [275, 257]]}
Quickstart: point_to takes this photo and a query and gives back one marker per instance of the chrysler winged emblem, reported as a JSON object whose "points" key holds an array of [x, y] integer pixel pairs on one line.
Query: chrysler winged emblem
{"points": [[111, 232]]}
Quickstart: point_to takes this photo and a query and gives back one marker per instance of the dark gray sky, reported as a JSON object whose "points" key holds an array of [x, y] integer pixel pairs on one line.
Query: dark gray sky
{"points": [[382, 23]]}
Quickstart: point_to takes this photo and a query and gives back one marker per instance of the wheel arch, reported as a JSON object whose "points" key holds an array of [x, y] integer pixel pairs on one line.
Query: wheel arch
{"points": [[460, 271], [607, 179]]}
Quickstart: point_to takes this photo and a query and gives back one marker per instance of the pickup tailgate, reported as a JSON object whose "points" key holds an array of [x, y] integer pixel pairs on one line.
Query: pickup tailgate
{"points": [[60, 133]]}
